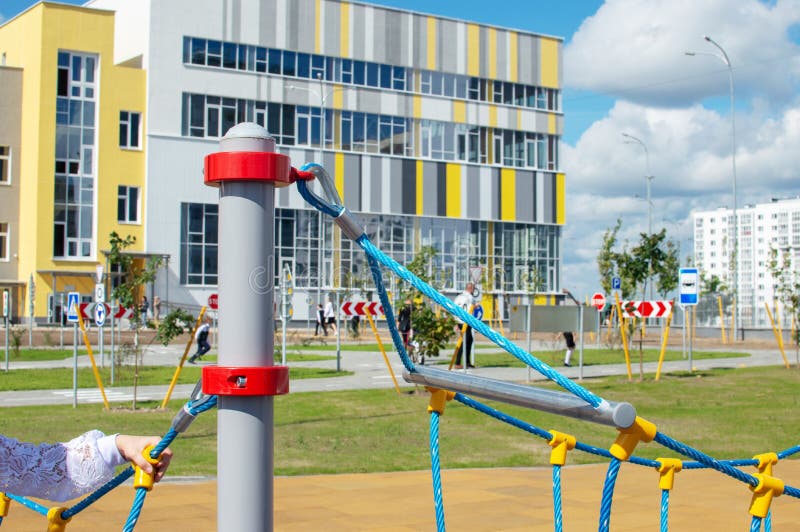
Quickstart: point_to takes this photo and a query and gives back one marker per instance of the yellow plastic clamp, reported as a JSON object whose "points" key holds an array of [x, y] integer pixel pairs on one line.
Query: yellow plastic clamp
{"points": [[765, 462], [561, 443], [56, 523], [5, 504], [667, 469], [767, 488], [142, 479], [628, 439], [438, 399]]}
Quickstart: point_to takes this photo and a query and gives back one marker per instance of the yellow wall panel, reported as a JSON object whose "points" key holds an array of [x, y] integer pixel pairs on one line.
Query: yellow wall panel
{"points": [[417, 106], [344, 30], [459, 112], [561, 203], [473, 50], [432, 43], [419, 188], [453, 187], [338, 97], [508, 190], [551, 123], [318, 26], [492, 116], [549, 62], [339, 169]]}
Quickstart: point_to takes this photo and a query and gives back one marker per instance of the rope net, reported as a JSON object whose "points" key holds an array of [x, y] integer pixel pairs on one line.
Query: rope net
{"points": [[763, 485]]}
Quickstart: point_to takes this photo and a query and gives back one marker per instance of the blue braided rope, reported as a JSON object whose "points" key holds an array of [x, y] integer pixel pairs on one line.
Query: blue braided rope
{"points": [[664, 510], [397, 340], [302, 188], [755, 524], [558, 520], [711, 462], [791, 492], [608, 494], [789, 452], [121, 477], [477, 325], [768, 522], [31, 505], [136, 510], [733, 463], [436, 472]]}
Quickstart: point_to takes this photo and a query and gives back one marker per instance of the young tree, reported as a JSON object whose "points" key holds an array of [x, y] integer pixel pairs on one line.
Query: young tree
{"points": [[786, 287], [431, 331]]}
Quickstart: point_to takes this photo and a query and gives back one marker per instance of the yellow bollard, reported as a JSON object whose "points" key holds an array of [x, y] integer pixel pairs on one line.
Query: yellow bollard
{"points": [[778, 336], [624, 337], [383, 351], [721, 319], [664, 343], [91, 358], [183, 358]]}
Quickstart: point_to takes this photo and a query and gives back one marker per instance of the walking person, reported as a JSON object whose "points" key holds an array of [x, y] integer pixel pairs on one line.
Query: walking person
{"points": [[201, 336], [404, 322], [330, 315], [156, 309], [570, 339], [320, 321], [465, 300]]}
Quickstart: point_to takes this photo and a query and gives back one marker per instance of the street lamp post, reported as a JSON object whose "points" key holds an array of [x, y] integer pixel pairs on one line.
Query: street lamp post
{"points": [[648, 178], [723, 56]]}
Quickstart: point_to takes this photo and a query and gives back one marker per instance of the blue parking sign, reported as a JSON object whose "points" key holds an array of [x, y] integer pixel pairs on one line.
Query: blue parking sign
{"points": [[616, 283]]}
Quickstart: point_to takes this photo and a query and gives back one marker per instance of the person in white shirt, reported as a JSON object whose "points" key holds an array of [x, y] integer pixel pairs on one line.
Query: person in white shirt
{"points": [[330, 315], [64, 471], [201, 336], [465, 300]]}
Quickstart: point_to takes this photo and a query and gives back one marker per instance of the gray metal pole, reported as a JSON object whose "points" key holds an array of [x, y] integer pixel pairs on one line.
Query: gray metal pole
{"points": [[61, 324], [114, 308], [6, 342], [8, 318], [683, 315], [621, 415], [691, 311], [100, 342], [246, 339], [338, 336], [580, 347], [75, 365], [528, 331]]}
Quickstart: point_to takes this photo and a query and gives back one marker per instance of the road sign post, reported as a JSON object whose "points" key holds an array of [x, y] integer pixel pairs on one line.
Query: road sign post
{"points": [[688, 283], [73, 307], [7, 317]]}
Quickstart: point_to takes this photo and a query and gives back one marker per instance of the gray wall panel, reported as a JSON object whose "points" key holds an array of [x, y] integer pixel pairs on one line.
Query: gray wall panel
{"points": [[484, 49], [376, 193], [379, 35], [369, 101], [496, 192], [549, 214], [420, 42], [447, 38], [266, 23], [396, 186], [473, 184], [357, 21], [332, 23], [502, 55], [430, 191], [393, 36], [352, 181], [527, 61], [537, 70], [525, 196]]}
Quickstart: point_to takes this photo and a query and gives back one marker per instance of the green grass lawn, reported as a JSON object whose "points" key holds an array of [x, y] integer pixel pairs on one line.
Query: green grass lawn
{"points": [[592, 357], [36, 355], [60, 378], [725, 413]]}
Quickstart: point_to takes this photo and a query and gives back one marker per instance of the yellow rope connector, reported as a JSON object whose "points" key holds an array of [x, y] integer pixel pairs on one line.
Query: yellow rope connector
{"points": [[438, 399], [56, 523], [765, 462], [628, 439], [5, 504], [561, 443], [142, 479], [767, 488], [667, 469]]}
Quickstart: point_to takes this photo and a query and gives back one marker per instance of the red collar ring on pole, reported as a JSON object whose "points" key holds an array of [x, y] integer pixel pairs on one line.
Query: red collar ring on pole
{"points": [[251, 166], [225, 380]]}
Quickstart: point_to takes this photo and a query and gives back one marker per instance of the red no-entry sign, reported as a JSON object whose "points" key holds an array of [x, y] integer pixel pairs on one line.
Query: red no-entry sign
{"points": [[598, 300]]}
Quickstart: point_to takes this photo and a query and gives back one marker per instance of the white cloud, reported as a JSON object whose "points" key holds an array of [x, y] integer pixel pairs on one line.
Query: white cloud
{"points": [[633, 50]]}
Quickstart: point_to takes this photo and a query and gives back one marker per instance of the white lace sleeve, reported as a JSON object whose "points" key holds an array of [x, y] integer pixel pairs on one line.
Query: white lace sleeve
{"points": [[60, 471]]}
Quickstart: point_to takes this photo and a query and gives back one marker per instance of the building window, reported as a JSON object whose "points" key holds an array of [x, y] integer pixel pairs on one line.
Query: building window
{"points": [[4, 241], [199, 243], [5, 165], [74, 156], [129, 129], [127, 204]]}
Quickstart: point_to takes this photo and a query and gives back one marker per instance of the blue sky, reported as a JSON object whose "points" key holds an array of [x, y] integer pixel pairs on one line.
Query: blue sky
{"points": [[625, 71]]}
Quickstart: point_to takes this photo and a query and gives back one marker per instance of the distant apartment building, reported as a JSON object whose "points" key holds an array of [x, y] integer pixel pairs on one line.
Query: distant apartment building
{"points": [[762, 227], [437, 131]]}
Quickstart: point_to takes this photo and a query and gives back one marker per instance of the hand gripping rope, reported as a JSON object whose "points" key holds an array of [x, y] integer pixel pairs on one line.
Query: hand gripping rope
{"points": [[58, 517], [581, 403]]}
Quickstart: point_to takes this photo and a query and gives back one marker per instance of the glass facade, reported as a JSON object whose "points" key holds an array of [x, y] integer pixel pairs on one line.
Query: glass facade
{"points": [[74, 160]]}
